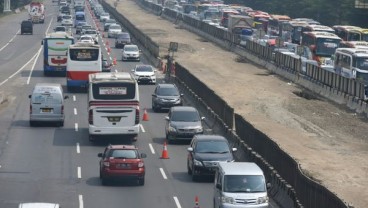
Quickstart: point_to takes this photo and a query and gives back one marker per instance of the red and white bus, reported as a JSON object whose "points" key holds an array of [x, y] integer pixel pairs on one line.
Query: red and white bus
{"points": [[83, 59], [224, 15]]}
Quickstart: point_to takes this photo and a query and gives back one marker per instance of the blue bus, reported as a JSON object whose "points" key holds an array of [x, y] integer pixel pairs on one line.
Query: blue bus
{"points": [[55, 48], [80, 16]]}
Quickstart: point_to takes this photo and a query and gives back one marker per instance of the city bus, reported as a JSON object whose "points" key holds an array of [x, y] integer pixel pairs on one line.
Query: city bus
{"points": [[317, 28], [113, 105], [292, 31], [363, 34], [275, 24], [352, 63], [55, 47], [354, 44], [80, 16], [83, 59], [322, 45], [224, 16], [347, 32]]}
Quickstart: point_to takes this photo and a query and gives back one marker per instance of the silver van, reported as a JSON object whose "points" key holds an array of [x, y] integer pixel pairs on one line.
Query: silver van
{"points": [[47, 104], [240, 185]]}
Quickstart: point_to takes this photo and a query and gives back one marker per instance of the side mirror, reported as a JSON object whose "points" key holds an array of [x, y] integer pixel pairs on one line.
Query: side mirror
{"points": [[190, 149], [202, 118], [218, 186], [234, 149], [100, 155], [167, 118], [29, 96], [132, 70], [66, 96], [143, 155], [154, 95], [181, 95]]}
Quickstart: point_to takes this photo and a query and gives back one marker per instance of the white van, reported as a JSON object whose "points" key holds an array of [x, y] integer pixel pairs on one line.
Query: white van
{"points": [[113, 105], [240, 185], [47, 104]]}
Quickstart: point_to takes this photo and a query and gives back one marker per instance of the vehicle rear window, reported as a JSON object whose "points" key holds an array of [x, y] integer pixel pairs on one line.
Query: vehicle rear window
{"points": [[123, 154], [168, 91], [186, 116], [113, 91], [212, 147], [123, 35], [244, 183], [46, 98]]}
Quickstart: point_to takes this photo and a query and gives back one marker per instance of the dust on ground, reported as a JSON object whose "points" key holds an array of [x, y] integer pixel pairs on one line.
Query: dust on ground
{"points": [[330, 142]]}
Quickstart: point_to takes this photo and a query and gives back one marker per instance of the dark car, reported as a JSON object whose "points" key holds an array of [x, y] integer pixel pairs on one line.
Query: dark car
{"points": [[106, 66], [79, 27], [166, 96], [183, 122], [122, 162], [108, 23], [122, 39], [79, 9], [26, 27], [204, 154]]}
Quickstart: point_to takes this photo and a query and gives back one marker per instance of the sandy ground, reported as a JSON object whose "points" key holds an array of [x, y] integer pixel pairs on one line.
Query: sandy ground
{"points": [[329, 142]]}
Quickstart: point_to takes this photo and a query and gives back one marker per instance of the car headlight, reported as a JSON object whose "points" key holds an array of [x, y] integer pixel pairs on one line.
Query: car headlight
{"points": [[172, 129], [227, 200], [199, 129], [197, 162], [262, 200]]}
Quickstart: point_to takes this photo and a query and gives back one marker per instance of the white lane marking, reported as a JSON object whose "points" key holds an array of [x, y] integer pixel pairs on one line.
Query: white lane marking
{"points": [[10, 40], [78, 148], [79, 172], [75, 111], [47, 31], [80, 201], [74, 98], [110, 59], [177, 202], [76, 126], [163, 173], [116, 70], [33, 66], [151, 147], [142, 128], [4, 81]]}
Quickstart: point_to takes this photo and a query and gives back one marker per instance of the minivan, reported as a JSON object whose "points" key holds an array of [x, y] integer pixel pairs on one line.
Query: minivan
{"points": [[240, 185], [26, 27], [47, 104]]}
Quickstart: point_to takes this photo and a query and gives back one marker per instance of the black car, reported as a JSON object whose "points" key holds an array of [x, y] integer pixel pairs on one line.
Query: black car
{"points": [[166, 96], [79, 26], [122, 39], [26, 27], [204, 154]]}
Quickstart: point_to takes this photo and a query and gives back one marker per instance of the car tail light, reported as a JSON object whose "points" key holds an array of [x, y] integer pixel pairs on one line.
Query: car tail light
{"points": [[137, 115], [106, 164], [90, 117], [140, 165]]}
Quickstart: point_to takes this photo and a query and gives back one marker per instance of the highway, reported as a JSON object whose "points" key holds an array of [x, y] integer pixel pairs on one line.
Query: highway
{"points": [[60, 164]]}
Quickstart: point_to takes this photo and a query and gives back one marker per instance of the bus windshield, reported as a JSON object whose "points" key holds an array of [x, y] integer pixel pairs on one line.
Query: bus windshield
{"points": [[114, 91], [361, 63], [326, 46], [84, 54]]}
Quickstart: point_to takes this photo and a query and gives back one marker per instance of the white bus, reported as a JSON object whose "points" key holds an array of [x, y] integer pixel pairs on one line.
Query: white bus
{"points": [[352, 63], [83, 59], [113, 105]]}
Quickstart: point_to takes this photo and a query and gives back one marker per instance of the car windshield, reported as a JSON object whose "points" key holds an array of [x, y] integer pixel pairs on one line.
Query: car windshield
{"points": [[110, 21], [60, 29], [123, 35], [90, 32], [168, 91], [144, 69], [86, 26], [212, 147], [131, 48], [67, 17], [186, 116], [46, 98], [123, 154], [116, 27], [244, 183], [86, 38]]}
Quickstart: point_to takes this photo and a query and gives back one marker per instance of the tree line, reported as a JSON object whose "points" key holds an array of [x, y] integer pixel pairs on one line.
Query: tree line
{"points": [[327, 12]]}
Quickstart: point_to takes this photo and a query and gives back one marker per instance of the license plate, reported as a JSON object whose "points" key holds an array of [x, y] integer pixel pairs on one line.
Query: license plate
{"points": [[114, 119], [46, 110], [123, 165]]}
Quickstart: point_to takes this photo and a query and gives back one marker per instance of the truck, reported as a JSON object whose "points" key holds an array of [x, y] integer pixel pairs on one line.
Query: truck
{"points": [[239, 22], [36, 11]]}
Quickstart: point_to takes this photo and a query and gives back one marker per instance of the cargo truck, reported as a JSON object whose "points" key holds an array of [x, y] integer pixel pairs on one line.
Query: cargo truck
{"points": [[36, 12]]}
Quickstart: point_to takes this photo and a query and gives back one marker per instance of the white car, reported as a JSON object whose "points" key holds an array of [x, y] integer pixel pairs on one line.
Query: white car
{"points": [[38, 205], [131, 52], [67, 20], [114, 29], [104, 16], [144, 73], [86, 39], [91, 32]]}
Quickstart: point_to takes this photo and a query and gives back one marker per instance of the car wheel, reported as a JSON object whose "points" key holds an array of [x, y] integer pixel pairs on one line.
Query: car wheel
{"points": [[141, 181], [188, 169], [154, 107]]}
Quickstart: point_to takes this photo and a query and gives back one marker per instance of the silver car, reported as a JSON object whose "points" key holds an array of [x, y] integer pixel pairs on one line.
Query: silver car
{"points": [[114, 29], [47, 104]]}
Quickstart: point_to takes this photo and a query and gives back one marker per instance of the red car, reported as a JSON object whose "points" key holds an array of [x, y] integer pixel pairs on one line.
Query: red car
{"points": [[122, 162]]}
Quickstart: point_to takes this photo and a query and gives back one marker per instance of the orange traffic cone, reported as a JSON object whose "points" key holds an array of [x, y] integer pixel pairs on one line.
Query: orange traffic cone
{"points": [[107, 42], [114, 61], [165, 154], [145, 115], [108, 49], [196, 202]]}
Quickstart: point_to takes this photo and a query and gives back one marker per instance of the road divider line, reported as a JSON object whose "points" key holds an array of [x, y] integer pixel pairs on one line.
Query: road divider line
{"points": [[75, 111], [76, 126], [142, 128], [74, 98], [78, 148], [33, 66], [10, 40], [176, 200], [163, 173], [47, 31], [81, 201], [151, 148], [79, 172]]}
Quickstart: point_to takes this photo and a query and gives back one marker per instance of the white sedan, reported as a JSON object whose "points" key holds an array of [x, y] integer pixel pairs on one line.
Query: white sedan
{"points": [[86, 39], [131, 52], [114, 29]]}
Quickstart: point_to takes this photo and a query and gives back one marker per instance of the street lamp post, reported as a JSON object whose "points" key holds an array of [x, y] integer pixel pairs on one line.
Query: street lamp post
{"points": [[7, 6]]}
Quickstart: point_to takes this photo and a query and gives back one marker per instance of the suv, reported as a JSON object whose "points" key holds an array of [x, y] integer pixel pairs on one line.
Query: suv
{"points": [[122, 161], [183, 122], [26, 27], [122, 39], [205, 152], [166, 96]]}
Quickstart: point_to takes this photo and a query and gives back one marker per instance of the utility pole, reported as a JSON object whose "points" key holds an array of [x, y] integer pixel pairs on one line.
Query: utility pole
{"points": [[7, 6]]}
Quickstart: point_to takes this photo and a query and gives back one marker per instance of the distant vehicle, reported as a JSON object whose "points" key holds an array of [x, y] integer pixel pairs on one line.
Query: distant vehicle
{"points": [[183, 122], [92, 33], [79, 17], [83, 59], [106, 66], [352, 63], [347, 32], [122, 39], [166, 96], [144, 74], [108, 23], [67, 20], [86, 39], [47, 104], [114, 29], [79, 27], [84, 28], [104, 16], [55, 47], [122, 161], [353, 44], [38, 205], [113, 105], [26, 27], [131, 52], [36, 11], [60, 29], [204, 154]]}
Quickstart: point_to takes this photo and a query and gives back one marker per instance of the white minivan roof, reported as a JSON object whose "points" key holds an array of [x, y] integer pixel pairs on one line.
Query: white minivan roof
{"points": [[240, 168]]}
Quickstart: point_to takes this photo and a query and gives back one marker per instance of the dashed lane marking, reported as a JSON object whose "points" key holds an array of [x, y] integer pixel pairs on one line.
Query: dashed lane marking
{"points": [[163, 173], [177, 202], [151, 148]]}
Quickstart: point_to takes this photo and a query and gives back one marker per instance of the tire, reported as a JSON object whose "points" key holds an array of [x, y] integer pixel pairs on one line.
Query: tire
{"points": [[61, 124], [141, 181], [154, 108], [188, 169], [194, 176]]}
